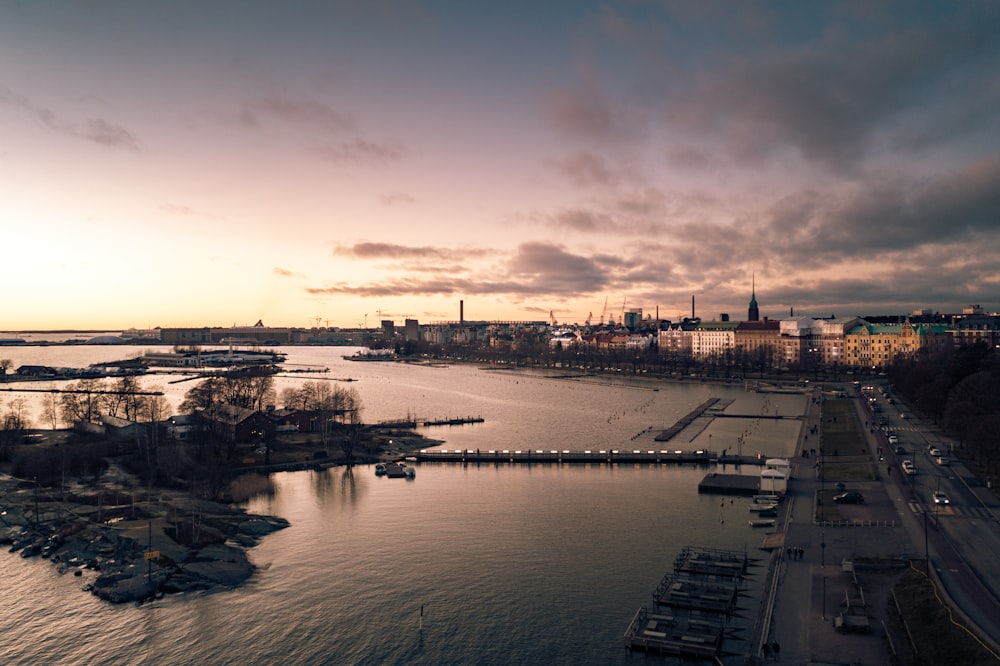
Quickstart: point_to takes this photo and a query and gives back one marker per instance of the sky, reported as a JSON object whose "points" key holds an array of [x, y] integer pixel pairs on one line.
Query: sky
{"points": [[304, 163]]}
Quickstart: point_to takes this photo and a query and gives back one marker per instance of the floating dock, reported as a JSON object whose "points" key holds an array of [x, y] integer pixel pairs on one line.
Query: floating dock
{"points": [[712, 562], [729, 484], [697, 599], [680, 634], [695, 593]]}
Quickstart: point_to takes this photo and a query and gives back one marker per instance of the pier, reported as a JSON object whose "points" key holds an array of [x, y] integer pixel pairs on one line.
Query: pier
{"points": [[608, 456], [685, 421], [452, 422]]}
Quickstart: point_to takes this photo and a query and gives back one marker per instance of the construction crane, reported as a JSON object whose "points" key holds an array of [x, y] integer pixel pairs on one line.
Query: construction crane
{"points": [[552, 317], [605, 310], [590, 315]]}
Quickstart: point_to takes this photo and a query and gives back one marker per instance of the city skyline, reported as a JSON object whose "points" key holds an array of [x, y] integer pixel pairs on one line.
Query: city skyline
{"points": [[216, 164]]}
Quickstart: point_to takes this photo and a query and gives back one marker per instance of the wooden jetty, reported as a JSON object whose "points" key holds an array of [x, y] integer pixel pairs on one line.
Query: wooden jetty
{"points": [[451, 422], [601, 456], [685, 421]]}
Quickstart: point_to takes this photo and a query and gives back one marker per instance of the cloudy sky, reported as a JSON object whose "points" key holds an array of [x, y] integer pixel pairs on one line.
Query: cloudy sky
{"points": [[216, 163]]}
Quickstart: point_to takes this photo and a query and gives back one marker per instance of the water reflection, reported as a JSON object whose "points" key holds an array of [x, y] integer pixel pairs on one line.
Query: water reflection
{"points": [[251, 486]]}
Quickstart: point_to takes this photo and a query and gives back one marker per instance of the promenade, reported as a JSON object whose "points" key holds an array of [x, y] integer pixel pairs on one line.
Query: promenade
{"points": [[812, 586]]}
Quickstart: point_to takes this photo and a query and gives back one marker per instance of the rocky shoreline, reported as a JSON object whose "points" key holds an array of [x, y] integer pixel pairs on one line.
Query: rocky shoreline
{"points": [[129, 544]]}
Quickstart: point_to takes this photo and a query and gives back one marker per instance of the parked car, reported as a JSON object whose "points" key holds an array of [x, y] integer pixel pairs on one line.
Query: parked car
{"points": [[850, 497], [940, 497]]}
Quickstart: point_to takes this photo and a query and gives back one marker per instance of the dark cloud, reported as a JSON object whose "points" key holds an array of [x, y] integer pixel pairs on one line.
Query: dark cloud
{"points": [[361, 151], [585, 169], [537, 269], [376, 251], [308, 113], [95, 130]]}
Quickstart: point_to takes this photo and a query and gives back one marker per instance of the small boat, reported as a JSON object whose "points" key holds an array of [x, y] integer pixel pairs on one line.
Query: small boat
{"points": [[380, 469], [399, 470], [762, 522], [768, 513], [766, 499], [757, 508]]}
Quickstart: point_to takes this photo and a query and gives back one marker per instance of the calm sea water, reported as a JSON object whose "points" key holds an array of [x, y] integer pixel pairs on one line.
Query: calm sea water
{"points": [[525, 564]]}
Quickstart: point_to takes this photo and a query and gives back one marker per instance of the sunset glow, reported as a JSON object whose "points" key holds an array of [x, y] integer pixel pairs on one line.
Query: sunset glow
{"points": [[218, 163]]}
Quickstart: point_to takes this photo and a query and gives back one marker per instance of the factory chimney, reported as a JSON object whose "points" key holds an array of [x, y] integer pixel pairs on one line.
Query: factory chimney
{"points": [[461, 313]]}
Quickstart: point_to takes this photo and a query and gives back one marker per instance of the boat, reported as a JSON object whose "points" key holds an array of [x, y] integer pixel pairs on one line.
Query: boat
{"points": [[399, 470], [380, 469], [762, 522], [761, 507]]}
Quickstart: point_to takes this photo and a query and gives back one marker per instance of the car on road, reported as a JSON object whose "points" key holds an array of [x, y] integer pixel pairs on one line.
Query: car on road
{"points": [[900, 450], [940, 497], [893, 440], [934, 451], [908, 467], [850, 497], [944, 461]]}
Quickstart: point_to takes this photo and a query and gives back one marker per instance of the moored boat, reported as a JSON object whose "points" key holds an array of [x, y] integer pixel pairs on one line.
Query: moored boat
{"points": [[762, 522]]}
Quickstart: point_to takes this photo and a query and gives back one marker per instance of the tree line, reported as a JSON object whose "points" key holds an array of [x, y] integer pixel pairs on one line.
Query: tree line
{"points": [[958, 389]]}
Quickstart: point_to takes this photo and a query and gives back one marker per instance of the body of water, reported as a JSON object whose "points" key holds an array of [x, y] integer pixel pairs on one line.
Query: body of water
{"points": [[510, 564]]}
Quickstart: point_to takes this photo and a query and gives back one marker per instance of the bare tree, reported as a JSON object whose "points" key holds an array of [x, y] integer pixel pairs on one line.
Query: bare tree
{"points": [[50, 410], [13, 424], [81, 402]]}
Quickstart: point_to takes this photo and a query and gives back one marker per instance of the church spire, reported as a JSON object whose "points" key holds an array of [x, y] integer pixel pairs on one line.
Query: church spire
{"points": [[753, 312]]}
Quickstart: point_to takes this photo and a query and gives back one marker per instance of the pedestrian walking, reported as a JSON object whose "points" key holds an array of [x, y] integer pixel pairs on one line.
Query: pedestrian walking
{"points": [[766, 650], [775, 649]]}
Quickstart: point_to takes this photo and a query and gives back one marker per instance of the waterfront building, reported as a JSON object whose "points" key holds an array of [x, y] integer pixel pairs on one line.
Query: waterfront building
{"points": [[760, 341], [713, 339], [876, 345]]}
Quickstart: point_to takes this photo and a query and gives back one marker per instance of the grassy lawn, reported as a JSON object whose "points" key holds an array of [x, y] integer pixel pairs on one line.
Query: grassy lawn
{"points": [[845, 454]]}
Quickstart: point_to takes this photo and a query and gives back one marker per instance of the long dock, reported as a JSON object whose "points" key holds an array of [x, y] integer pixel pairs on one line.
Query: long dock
{"points": [[609, 456], [685, 421]]}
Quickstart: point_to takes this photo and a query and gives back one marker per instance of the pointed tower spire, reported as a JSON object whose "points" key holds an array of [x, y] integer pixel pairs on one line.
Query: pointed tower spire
{"points": [[753, 312]]}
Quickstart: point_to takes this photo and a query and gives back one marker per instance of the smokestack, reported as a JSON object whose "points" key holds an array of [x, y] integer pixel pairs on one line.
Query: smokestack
{"points": [[461, 312], [791, 312], [692, 306]]}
